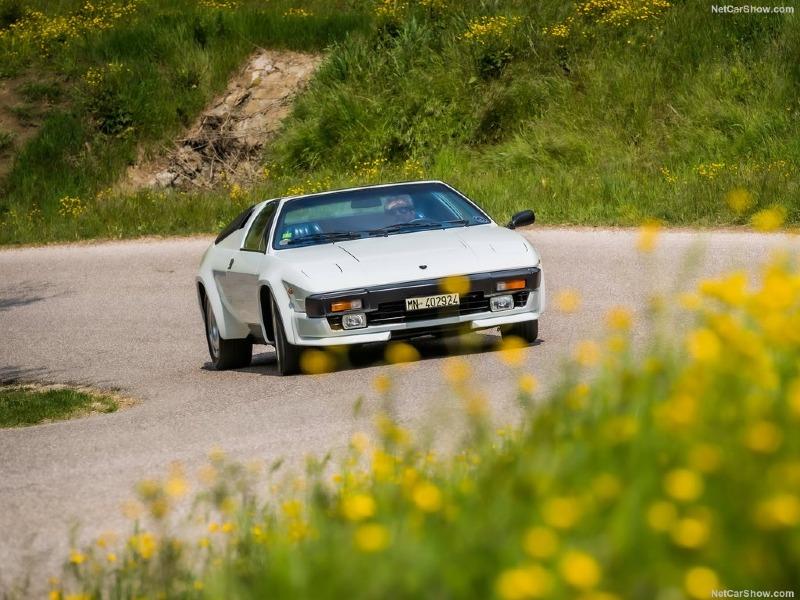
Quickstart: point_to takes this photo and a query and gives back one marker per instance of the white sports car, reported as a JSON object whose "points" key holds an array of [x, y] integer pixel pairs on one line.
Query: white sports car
{"points": [[368, 264]]}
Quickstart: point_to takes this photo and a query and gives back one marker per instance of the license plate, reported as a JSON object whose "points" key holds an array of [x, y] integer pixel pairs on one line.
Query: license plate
{"points": [[437, 301]]}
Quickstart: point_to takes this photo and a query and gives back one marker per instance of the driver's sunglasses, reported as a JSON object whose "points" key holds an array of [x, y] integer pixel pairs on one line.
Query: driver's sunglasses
{"points": [[401, 209]]}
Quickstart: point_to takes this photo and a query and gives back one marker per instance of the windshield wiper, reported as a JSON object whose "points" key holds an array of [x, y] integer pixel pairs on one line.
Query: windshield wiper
{"points": [[411, 226], [332, 236]]}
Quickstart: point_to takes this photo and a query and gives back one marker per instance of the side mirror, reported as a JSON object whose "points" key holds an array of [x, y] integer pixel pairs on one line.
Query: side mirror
{"points": [[522, 218]]}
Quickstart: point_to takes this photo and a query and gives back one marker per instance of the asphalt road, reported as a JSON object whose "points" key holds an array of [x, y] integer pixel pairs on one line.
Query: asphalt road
{"points": [[124, 315]]}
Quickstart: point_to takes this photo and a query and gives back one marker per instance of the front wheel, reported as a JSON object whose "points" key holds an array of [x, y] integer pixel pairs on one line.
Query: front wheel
{"points": [[527, 330], [225, 354], [288, 354]]}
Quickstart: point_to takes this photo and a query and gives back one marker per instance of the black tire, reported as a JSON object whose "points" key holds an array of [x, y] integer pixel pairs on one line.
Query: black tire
{"points": [[288, 354], [527, 330], [225, 354]]}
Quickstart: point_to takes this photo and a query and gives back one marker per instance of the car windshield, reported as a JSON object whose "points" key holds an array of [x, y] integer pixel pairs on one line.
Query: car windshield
{"points": [[372, 212]]}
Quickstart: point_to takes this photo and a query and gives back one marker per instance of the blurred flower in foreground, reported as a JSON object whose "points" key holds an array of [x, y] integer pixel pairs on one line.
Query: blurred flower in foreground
{"points": [[700, 582], [580, 570], [648, 235], [371, 537], [619, 318], [769, 219], [739, 200], [524, 582], [315, 362], [400, 352], [568, 301]]}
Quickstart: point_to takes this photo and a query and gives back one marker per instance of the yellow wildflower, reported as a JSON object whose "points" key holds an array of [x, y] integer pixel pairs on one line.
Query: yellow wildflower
{"points": [[703, 345], [176, 485], [359, 441], [512, 350], [662, 515], [648, 235], [427, 497], [580, 570], [763, 437], [371, 537], [683, 485], [739, 200], [400, 352], [533, 581], [568, 301], [619, 318], [690, 532], [316, 362], [457, 284], [358, 507], [528, 384], [382, 384], [781, 510], [562, 512], [456, 370], [700, 582], [769, 219], [144, 544], [587, 353], [540, 542], [731, 289], [76, 557]]}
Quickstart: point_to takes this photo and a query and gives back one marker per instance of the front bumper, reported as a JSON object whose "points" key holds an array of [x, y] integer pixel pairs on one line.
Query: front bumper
{"points": [[387, 318]]}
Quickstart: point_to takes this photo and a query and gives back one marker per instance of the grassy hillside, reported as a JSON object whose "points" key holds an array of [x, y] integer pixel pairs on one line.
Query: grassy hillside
{"points": [[602, 111]]}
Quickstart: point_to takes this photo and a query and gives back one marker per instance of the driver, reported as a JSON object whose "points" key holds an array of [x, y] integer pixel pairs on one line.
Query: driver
{"points": [[400, 209]]}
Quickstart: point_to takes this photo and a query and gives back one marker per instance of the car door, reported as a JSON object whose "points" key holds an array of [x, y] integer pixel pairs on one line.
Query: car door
{"points": [[241, 279]]}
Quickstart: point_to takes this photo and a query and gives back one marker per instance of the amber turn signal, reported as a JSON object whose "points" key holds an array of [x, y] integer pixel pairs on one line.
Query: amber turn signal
{"points": [[511, 284], [341, 305]]}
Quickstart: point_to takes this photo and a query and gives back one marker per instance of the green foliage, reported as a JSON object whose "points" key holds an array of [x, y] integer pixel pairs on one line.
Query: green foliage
{"points": [[668, 467], [6, 140], [591, 113], [21, 405]]}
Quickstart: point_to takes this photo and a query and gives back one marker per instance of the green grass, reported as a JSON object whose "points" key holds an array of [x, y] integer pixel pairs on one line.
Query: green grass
{"points": [[667, 469], [22, 405], [614, 124], [6, 140]]}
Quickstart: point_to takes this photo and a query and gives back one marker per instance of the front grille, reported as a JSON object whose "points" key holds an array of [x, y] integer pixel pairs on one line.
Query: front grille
{"points": [[395, 312]]}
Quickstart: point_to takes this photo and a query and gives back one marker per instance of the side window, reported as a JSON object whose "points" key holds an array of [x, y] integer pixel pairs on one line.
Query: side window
{"points": [[256, 240], [235, 225]]}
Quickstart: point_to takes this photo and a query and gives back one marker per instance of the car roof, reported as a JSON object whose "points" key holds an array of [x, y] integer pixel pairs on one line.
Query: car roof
{"points": [[350, 189]]}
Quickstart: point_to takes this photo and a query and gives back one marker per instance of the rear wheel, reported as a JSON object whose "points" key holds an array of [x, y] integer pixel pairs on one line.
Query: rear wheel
{"points": [[225, 354], [288, 354], [527, 330]]}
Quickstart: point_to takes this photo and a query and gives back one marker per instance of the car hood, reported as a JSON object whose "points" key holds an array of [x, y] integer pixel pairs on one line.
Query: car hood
{"points": [[408, 257]]}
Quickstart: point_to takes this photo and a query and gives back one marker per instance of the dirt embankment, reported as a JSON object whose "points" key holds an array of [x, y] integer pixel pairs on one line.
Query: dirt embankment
{"points": [[226, 141]]}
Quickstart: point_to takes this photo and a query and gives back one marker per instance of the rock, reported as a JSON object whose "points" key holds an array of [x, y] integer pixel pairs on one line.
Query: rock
{"points": [[188, 159], [165, 178]]}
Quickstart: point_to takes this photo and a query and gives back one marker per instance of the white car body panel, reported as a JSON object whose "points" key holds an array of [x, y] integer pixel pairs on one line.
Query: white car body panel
{"points": [[231, 278]]}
